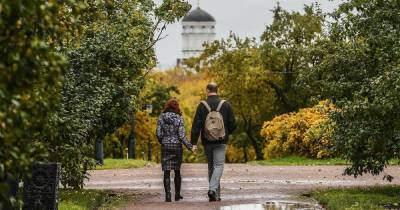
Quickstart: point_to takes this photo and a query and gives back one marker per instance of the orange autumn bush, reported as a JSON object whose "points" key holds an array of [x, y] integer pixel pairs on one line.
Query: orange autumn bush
{"points": [[303, 133], [239, 155]]}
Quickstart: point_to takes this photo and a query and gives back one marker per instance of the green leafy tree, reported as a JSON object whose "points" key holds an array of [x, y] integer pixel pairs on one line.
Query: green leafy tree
{"points": [[284, 46], [260, 81], [359, 70], [30, 76], [156, 94], [38, 40], [108, 64], [236, 66]]}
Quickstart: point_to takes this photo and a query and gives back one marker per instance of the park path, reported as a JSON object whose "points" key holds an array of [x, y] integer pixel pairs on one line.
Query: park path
{"points": [[241, 184]]}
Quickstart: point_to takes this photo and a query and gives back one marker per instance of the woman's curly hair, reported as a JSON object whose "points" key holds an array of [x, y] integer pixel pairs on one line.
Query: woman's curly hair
{"points": [[172, 105]]}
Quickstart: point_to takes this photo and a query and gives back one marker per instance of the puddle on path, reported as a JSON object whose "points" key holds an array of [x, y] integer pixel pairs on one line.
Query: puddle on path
{"points": [[274, 205]]}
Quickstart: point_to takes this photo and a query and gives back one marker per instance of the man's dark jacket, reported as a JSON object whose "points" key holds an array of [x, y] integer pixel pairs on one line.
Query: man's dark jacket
{"points": [[200, 118]]}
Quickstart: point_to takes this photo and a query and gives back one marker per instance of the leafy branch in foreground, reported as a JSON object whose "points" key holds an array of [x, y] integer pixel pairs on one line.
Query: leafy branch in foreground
{"points": [[105, 76], [359, 69]]}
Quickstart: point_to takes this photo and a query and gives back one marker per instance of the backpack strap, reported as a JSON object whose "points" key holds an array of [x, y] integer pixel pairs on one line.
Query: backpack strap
{"points": [[206, 105], [220, 105]]}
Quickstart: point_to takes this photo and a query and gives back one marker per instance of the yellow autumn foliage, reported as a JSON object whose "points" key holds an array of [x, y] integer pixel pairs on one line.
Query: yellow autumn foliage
{"points": [[116, 144], [303, 133], [191, 88], [237, 155], [145, 131]]}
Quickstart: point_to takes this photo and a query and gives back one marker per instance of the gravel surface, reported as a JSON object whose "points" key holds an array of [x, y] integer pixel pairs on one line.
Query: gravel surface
{"points": [[241, 184]]}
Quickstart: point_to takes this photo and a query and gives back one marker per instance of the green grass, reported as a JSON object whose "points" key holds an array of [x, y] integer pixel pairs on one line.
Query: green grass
{"points": [[371, 198], [122, 164], [394, 162], [90, 199], [298, 161], [303, 161]]}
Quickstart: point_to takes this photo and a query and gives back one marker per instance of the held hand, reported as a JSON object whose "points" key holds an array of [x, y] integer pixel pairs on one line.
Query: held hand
{"points": [[194, 149]]}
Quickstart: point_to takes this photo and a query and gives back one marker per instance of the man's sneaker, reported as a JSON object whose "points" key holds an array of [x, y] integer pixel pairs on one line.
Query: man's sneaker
{"points": [[211, 196]]}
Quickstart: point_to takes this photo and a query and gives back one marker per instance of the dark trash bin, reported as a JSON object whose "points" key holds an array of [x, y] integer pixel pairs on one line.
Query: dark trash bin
{"points": [[41, 190]]}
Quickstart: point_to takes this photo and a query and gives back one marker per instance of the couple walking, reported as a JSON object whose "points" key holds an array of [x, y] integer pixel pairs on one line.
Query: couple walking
{"points": [[214, 121]]}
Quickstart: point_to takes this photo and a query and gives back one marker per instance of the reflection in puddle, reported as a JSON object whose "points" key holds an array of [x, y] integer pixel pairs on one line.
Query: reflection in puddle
{"points": [[274, 206]]}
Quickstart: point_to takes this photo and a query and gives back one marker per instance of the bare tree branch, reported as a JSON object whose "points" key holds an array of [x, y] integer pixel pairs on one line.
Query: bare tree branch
{"points": [[158, 37], [146, 73], [156, 26]]}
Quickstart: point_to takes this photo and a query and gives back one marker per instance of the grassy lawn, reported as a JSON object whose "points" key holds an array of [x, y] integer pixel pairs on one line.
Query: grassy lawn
{"points": [[303, 161], [122, 164], [371, 198], [90, 199], [298, 161]]}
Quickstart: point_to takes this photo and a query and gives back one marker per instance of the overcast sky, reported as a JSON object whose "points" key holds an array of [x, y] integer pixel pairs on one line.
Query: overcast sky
{"points": [[243, 17]]}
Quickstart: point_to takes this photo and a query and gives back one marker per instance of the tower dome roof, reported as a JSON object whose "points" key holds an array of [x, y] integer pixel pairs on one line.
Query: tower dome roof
{"points": [[198, 15]]}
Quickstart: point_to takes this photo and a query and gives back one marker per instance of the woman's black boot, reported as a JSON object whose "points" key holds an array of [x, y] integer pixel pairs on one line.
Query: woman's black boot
{"points": [[167, 188], [178, 181]]}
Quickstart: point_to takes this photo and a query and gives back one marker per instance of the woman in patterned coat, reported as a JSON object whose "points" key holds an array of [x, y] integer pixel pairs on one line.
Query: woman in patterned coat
{"points": [[171, 135]]}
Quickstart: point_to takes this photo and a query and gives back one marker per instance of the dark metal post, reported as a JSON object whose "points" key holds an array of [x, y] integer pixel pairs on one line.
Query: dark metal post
{"points": [[149, 150], [149, 109]]}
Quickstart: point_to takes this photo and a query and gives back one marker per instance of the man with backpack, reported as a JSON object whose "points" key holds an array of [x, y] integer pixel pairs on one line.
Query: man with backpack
{"points": [[214, 121]]}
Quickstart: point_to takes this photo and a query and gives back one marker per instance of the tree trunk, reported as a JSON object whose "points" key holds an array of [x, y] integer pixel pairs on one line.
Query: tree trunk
{"points": [[246, 159], [99, 152], [132, 142], [253, 140], [99, 149], [132, 146], [259, 153], [116, 151], [288, 106], [12, 184]]}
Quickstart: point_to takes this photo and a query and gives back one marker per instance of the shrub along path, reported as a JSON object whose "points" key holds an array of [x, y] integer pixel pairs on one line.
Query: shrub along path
{"points": [[241, 184]]}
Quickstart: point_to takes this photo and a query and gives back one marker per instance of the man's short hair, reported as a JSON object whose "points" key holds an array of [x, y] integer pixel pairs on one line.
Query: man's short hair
{"points": [[212, 88]]}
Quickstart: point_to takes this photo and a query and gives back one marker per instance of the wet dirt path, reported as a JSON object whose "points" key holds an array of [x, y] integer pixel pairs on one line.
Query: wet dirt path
{"points": [[241, 184]]}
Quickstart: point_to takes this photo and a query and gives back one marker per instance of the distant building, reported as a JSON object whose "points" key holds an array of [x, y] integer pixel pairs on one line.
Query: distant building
{"points": [[198, 27]]}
